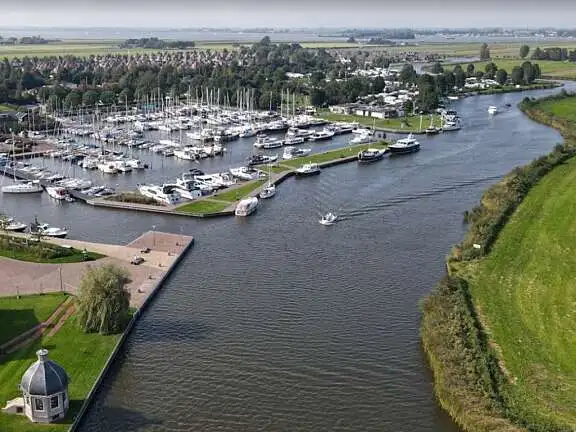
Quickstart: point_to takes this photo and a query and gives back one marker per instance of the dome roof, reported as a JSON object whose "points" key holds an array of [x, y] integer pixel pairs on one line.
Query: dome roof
{"points": [[44, 377]]}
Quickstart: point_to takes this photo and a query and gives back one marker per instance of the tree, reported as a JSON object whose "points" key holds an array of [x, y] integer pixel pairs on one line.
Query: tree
{"points": [[537, 54], [470, 69], [318, 97], [90, 98], [528, 73], [103, 301], [437, 68], [524, 50], [484, 52], [108, 97], [501, 76], [408, 74], [490, 69], [73, 99], [378, 85], [517, 75], [459, 77], [408, 107], [427, 93], [537, 72]]}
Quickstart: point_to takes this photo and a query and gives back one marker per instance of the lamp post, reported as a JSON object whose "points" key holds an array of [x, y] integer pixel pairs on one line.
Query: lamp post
{"points": [[153, 236]]}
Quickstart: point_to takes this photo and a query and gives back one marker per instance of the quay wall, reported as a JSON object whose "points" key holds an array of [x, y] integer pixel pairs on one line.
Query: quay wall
{"points": [[120, 345]]}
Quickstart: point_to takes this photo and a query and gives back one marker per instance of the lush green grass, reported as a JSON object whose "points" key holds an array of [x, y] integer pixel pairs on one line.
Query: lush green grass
{"points": [[525, 292], [203, 206], [547, 67], [239, 192], [135, 198], [411, 124], [331, 155], [21, 314], [17, 248], [82, 355], [563, 108]]}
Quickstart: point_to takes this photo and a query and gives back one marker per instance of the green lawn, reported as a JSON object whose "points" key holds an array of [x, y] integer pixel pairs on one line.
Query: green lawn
{"points": [[47, 253], [331, 155], [525, 292], [239, 192], [18, 315], [203, 206], [411, 124], [82, 355], [563, 108], [547, 67]]}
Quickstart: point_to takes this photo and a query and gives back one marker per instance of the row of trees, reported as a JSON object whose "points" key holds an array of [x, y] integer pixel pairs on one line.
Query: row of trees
{"points": [[552, 53], [155, 43]]}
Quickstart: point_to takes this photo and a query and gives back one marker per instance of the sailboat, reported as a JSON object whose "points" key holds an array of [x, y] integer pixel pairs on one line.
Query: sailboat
{"points": [[270, 189], [21, 187]]}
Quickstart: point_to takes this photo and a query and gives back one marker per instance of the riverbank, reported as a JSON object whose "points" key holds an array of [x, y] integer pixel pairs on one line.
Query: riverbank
{"points": [[85, 357], [495, 330], [399, 125]]}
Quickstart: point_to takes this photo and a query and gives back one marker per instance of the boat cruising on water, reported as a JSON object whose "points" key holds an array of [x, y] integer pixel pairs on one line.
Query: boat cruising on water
{"points": [[492, 110], [371, 155], [260, 159], [23, 187], [57, 192], [293, 152], [308, 169], [165, 194], [405, 145], [328, 219], [246, 207]]}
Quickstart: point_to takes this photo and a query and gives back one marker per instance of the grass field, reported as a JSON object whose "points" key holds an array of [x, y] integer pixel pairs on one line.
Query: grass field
{"points": [[563, 108], [547, 67], [31, 252], [18, 315], [411, 124], [331, 155], [82, 356], [525, 293]]}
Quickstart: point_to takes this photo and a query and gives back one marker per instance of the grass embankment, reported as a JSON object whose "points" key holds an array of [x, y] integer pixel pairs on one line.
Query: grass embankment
{"points": [[82, 356], [498, 332], [218, 202], [401, 124], [20, 314], [510, 88], [331, 155], [23, 249]]}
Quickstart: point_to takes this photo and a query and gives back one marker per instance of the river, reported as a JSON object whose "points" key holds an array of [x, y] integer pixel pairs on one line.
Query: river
{"points": [[277, 323]]}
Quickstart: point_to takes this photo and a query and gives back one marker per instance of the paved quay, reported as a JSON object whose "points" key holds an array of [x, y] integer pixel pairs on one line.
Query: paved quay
{"points": [[19, 277]]}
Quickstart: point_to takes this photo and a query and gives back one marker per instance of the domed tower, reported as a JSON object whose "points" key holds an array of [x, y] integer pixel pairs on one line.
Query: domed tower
{"points": [[45, 390]]}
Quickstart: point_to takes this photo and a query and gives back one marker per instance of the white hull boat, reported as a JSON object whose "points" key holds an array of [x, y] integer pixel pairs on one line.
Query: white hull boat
{"points": [[246, 207], [268, 192], [57, 192], [23, 188], [328, 219]]}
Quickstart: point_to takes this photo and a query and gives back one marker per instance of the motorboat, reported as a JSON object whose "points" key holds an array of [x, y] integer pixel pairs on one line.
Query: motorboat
{"points": [[308, 169], [432, 130], [371, 155], [135, 164], [492, 110], [268, 192], [404, 146], [246, 173], [165, 194], [57, 192], [328, 219], [299, 133], [266, 142], [188, 189], [122, 166], [293, 140], [293, 152], [108, 167], [185, 154], [450, 126], [322, 135], [260, 159], [23, 187], [362, 131], [361, 139], [47, 230], [246, 206], [14, 226]]}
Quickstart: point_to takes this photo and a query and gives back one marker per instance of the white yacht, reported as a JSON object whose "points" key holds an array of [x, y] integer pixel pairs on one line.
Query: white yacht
{"points": [[363, 138], [268, 143], [246, 207], [185, 154], [14, 226], [48, 231], [57, 192], [122, 166], [187, 189], [371, 155], [108, 167], [293, 140], [322, 135], [268, 192], [246, 173], [492, 110], [135, 164], [450, 126], [165, 194], [308, 169], [404, 146], [328, 219], [23, 187], [293, 152]]}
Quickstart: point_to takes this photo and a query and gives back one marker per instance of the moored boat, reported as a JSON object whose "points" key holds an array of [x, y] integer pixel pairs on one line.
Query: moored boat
{"points": [[308, 169], [405, 146], [371, 155], [246, 206]]}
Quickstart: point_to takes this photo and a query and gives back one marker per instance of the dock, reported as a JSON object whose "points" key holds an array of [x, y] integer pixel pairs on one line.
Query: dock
{"points": [[21, 277]]}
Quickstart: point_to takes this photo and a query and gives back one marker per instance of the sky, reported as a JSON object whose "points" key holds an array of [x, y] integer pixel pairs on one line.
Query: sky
{"points": [[287, 13]]}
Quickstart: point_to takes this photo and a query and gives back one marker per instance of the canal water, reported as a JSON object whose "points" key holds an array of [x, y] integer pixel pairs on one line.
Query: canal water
{"points": [[277, 323]]}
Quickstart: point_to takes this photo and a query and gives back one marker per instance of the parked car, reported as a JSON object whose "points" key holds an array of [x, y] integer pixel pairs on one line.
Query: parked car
{"points": [[137, 260]]}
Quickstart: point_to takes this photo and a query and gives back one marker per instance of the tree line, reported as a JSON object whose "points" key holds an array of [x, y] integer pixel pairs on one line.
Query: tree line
{"points": [[155, 43]]}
